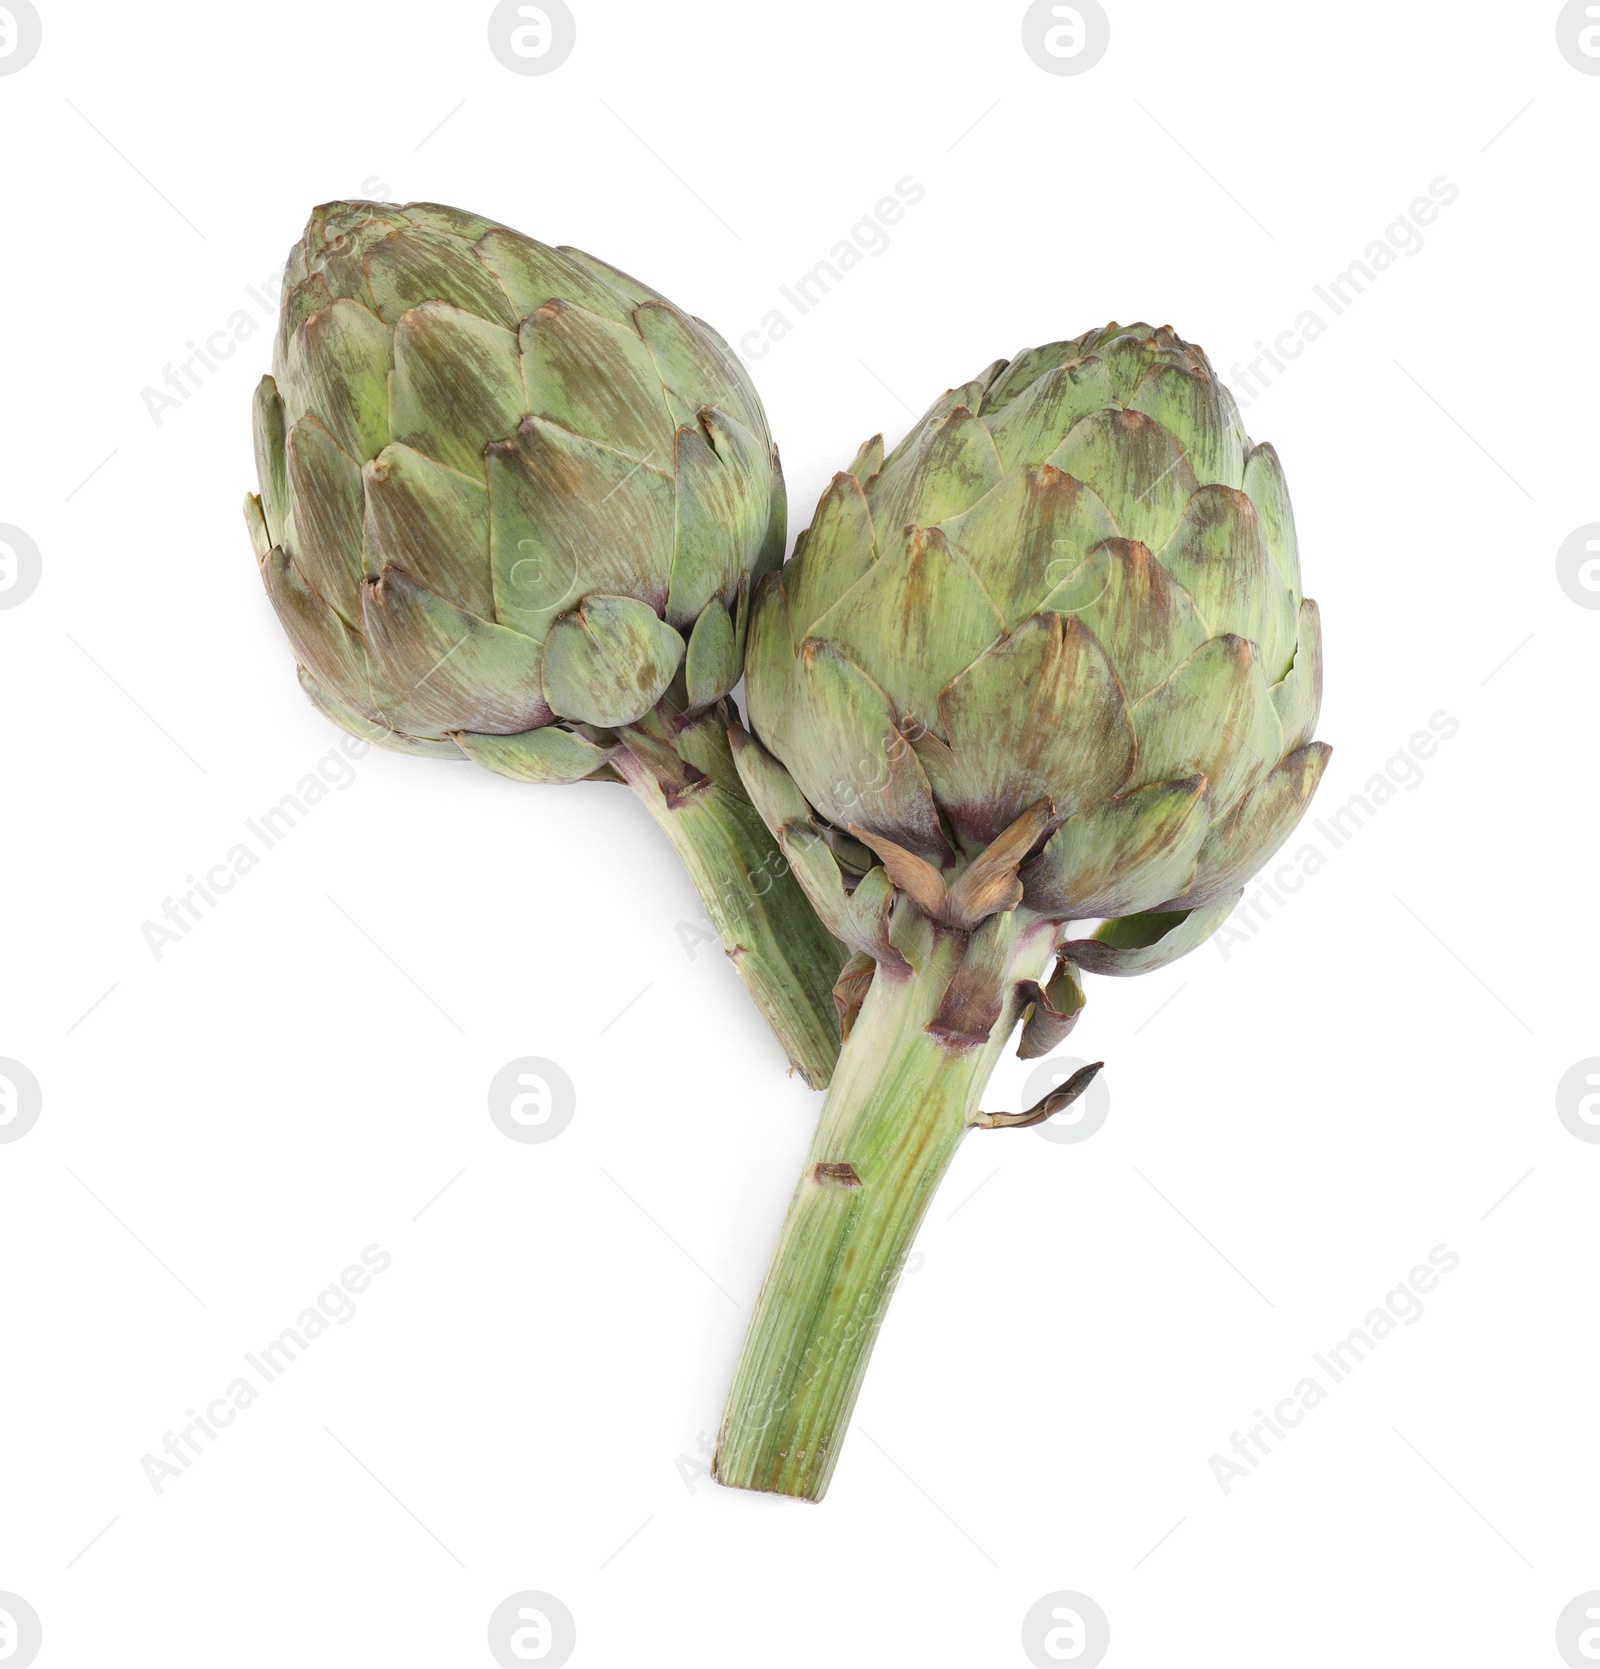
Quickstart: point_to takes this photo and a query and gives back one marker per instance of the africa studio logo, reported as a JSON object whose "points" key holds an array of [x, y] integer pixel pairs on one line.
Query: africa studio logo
{"points": [[1066, 39], [20, 1631], [20, 1101], [1065, 1627], [20, 34], [1578, 1632], [1578, 35], [1578, 1102], [19, 566], [532, 39], [532, 1627], [1578, 561], [532, 1099]]}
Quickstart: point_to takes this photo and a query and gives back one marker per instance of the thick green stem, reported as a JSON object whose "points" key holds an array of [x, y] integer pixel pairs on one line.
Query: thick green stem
{"points": [[787, 959], [901, 1100]]}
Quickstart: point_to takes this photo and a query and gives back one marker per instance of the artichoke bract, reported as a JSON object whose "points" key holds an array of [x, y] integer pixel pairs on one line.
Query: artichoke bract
{"points": [[1034, 697], [513, 504]]}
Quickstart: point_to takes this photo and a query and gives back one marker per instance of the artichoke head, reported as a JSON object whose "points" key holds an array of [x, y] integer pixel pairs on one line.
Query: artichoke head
{"points": [[1050, 654], [511, 499]]}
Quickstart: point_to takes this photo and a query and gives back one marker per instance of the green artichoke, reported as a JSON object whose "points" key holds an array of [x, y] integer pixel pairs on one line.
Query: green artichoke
{"points": [[512, 507], [1037, 687]]}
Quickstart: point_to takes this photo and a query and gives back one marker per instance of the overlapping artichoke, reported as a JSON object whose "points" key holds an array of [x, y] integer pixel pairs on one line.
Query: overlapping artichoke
{"points": [[1067, 605], [512, 506], [508, 493], [1047, 664]]}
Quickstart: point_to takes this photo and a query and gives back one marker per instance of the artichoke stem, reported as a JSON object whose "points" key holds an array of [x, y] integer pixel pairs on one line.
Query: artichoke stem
{"points": [[901, 1100], [787, 959]]}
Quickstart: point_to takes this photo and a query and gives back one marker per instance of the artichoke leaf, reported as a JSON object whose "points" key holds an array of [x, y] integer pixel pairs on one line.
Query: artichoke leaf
{"points": [[325, 490], [1135, 468], [773, 792], [532, 275], [1054, 1012], [724, 480], [1257, 826], [1129, 351], [613, 277], [322, 642], [302, 298], [357, 723], [457, 384], [441, 217], [850, 990], [1199, 412], [341, 268], [699, 367], [769, 661], [256, 523], [711, 662], [868, 460], [837, 551], [915, 877], [433, 522], [269, 432], [445, 667], [1218, 555], [1298, 695], [985, 378], [858, 919], [840, 739], [976, 995], [1214, 716], [1026, 536], [609, 661], [1141, 944], [1034, 423], [1039, 716], [916, 620], [569, 516], [770, 557], [1047, 1106], [550, 754], [414, 266], [940, 470], [1122, 856], [1269, 492], [966, 396], [597, 379], [990, 884], [1020, 374], [338, 368], [1147, 624]]}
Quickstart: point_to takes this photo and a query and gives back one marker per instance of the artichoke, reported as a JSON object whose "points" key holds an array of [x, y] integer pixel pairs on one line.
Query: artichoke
{"points": [[513, 504], [1034, 697]]}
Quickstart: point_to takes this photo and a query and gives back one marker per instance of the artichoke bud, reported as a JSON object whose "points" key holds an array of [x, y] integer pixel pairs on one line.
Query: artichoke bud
{"points": [[511, 499], [1051, 654]]}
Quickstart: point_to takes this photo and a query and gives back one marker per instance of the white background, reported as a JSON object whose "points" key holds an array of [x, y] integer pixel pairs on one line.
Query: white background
{"points": [[1292, 1127]]}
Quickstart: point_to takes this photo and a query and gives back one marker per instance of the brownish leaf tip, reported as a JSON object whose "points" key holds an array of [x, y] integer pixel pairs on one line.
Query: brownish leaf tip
{"points": [[850, 991], [1047, 1106]]}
